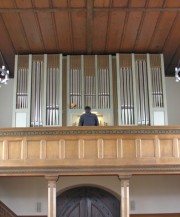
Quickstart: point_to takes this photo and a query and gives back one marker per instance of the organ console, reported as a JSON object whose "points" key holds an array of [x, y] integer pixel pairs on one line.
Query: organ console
{"points": [[52, 89]]}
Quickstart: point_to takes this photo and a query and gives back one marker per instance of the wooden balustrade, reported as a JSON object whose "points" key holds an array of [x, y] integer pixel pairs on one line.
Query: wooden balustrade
{"points": [[89, 150], [5, 211]]}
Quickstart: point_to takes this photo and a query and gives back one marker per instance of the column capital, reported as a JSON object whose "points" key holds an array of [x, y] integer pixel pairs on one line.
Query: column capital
{"points": [[52, 178], [124, 177]]}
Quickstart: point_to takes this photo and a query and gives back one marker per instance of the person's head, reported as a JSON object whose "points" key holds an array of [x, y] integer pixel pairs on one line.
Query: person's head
{"points": [[87, 109]]}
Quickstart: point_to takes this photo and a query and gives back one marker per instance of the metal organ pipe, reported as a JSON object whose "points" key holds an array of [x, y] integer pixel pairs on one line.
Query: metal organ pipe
{"points": [[21, 93], [36, 98], [143, 98], [157, 91], [52, 100], [126, 96]]}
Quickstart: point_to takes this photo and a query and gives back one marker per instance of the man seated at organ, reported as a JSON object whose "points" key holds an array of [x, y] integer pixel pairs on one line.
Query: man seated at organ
{"points": [[88, 118]]}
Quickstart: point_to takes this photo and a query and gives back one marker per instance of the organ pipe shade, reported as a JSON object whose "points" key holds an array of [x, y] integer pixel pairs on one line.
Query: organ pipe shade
{"points": [[75, 82], [22, 83], [142, 92], [156, 78], [52, 91], [89, 81], [103, 82], [37, 91], [126, 90]]}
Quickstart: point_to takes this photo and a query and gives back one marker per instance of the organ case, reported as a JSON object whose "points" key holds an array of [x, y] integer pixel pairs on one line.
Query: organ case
{"points": [[89, 83], [141, 89], [52, 90], [38, 90]]}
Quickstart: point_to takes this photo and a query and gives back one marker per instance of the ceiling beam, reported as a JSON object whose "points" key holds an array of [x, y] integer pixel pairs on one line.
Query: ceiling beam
{"points": [[25, 10], [89, 31]]}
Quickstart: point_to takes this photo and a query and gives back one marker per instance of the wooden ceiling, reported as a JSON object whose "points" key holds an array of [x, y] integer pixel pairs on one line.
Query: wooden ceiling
{"points": [[90, 27]]}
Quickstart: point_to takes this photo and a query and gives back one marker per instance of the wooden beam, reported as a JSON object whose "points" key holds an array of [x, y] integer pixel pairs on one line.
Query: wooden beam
{"points": [[89, 26], [119, 9]]}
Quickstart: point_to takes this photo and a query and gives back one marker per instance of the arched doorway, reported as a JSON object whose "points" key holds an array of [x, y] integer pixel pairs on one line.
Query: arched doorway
{"points": [[87, 202]]}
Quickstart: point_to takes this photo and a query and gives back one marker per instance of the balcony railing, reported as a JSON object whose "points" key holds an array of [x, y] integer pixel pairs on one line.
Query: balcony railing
{"points": [[5, 211], [89, 150]]}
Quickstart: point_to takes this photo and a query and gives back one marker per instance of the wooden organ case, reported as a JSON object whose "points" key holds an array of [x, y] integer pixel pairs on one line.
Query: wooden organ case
{"points": [[52, 90]]}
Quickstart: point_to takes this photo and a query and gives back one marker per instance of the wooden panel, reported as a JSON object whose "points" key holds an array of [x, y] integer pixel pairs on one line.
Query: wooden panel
{"points": [[170, 47], [50, 40], [78, 3], [178, 147], [146, 32], [147, 149], [166, 148], [79, 31], [71, 149], [162, 30], [41, 3], [13, 22], [170, 3], [7, 4], [23, 4], [33, 150], [137, 3], [122, 3], [30, 24], [99, 27], [115, 31], [85, 151], [128, 148], [131, 30], [6, 46], [14, 150], [101, 3], [1, 150], [52, 149], [57, 3], [90, 149], [109, 148], [157, 3], [63, 31]]}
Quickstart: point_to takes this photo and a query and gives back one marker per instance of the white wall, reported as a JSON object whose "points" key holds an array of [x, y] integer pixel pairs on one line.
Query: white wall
{"points": [[173, 101], [6, 103], [155, 194], [21, 194], [150, 194]]}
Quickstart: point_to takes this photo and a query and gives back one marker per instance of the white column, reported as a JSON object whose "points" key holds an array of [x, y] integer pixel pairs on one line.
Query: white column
{"points": [[52, 195], [124, 195]]}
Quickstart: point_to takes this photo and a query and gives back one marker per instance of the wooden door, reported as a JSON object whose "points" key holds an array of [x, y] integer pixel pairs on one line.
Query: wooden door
{"points": [[87, 202]]}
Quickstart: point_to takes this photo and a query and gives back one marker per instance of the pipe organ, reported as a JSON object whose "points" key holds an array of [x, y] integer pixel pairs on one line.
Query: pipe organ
{"points": [[141, 89], [52, 90], [38, 90], [89, 83]]}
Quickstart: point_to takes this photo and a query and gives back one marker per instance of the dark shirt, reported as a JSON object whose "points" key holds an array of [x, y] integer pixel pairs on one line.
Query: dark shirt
{"points": [[88, 119]]}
